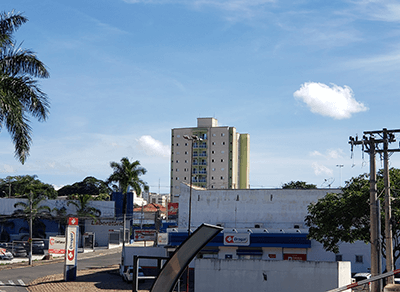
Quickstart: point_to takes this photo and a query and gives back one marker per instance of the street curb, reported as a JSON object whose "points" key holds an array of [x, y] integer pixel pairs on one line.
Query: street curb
{"points": [[95, 253]]}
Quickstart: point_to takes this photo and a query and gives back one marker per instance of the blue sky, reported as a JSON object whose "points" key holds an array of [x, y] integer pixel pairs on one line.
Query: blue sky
{"points": [[299, 76]]}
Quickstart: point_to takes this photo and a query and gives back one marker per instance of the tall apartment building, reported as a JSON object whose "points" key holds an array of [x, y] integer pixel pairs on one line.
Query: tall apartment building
{"points": [[219, 161]]}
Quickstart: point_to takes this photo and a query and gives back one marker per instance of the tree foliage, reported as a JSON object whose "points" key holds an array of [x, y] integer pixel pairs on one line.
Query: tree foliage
{"points": [[127, 174], [20, 186], [89, 186], [35, 209], [298, 185], [20, 94], [344, 217]]}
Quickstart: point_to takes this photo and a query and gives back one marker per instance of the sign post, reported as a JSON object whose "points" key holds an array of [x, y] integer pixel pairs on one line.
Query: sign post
{"points": [[71, 249]]}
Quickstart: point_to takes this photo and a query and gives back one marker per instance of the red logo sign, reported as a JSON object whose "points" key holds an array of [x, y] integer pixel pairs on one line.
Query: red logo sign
{"points": [[229, 239], [71, 255], [72, 221], [52, 241]]}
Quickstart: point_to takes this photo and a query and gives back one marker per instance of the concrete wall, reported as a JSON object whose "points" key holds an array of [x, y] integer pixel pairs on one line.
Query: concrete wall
{"points": [[273, 208], [130, 251], [260, 275]]}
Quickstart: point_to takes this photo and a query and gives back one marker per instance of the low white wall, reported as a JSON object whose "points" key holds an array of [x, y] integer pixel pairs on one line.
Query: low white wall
{"points": [[130, 251], [260, 275]]}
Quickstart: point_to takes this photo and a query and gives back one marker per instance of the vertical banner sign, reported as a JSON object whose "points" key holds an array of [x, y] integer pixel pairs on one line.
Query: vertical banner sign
{"points": [[71, 249]]}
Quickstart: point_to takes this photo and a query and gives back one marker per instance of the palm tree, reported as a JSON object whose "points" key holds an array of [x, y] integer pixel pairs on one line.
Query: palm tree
{"points": [[83, 210], [62, 218], [37, 212], [127, 174], [19, 93]]}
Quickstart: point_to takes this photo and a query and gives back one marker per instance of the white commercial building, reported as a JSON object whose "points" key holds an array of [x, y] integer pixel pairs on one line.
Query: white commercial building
{"points": [[261, 224]]}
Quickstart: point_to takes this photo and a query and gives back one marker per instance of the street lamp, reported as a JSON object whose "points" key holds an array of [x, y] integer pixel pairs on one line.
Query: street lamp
{"points": [[191, 139], [340, 165]]}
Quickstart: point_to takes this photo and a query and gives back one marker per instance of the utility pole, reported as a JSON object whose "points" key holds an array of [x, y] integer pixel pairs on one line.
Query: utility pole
{"points": [[30, 228], [371, 145]]}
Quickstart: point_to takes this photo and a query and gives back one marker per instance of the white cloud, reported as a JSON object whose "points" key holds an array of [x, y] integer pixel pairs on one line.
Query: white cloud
{"points": [[321, 169], [335, 153], [152, 146], [316, 153], [335, 101]]}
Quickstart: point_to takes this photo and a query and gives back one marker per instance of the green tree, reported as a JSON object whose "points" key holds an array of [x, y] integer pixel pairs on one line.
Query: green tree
{"points": [[84, 210], [19, 186], [33, 208], [62, 218], [127, 174], [89, 186], [20, 94], [344, 217], [298, 185]]}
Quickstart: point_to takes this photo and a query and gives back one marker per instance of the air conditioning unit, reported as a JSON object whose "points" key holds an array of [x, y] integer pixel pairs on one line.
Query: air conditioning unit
{"points": [[220, 224], [258, 225]]}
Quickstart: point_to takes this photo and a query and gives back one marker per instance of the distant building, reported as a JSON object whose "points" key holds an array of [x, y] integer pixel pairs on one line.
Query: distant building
{"points": [[219, 161], [156, 198]]}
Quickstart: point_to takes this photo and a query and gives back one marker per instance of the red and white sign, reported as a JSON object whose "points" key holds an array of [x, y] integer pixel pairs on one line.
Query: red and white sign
{"points": [[294, 257], [173, 209], [162, 239], [72, 221], [70, 246], [56, 245], [237, 239], [144, 235]]}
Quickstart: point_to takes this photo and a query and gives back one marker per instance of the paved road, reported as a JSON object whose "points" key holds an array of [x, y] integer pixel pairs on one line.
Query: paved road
{"points": [[14, 280]]}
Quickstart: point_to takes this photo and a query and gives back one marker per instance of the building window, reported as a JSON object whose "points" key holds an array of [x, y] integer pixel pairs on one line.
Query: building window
{"points": [[212, 160], [213, 143], [177, 144], [222, 134], [177, 178], [186, 161], [177, 169], [222, 160], [223, 169], [177, 161], [177, 153], [212, 178], [339, 258], [222, 177], [221, 152], [214, 135], [178, 136], [212, 152], [186, 153], [213, 169], [186, 144], [184, 178], [359, 259], [223, 143]]}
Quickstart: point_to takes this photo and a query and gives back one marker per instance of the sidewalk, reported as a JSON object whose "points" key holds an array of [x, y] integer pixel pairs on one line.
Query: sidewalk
{"points": [[88, 280]]}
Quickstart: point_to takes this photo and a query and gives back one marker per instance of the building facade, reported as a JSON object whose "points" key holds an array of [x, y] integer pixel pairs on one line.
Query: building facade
{"points": [[260, 224], [220, 160]]}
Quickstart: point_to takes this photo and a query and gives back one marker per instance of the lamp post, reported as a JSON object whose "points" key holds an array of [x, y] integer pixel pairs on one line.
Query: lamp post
{"points": [[191, 139], [340, 166]]}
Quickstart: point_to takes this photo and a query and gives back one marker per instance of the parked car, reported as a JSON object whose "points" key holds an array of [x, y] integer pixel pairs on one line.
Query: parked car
{"points": [[128, 275], [5, 254], [360, 277], [20, 251], [38, 247]]}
